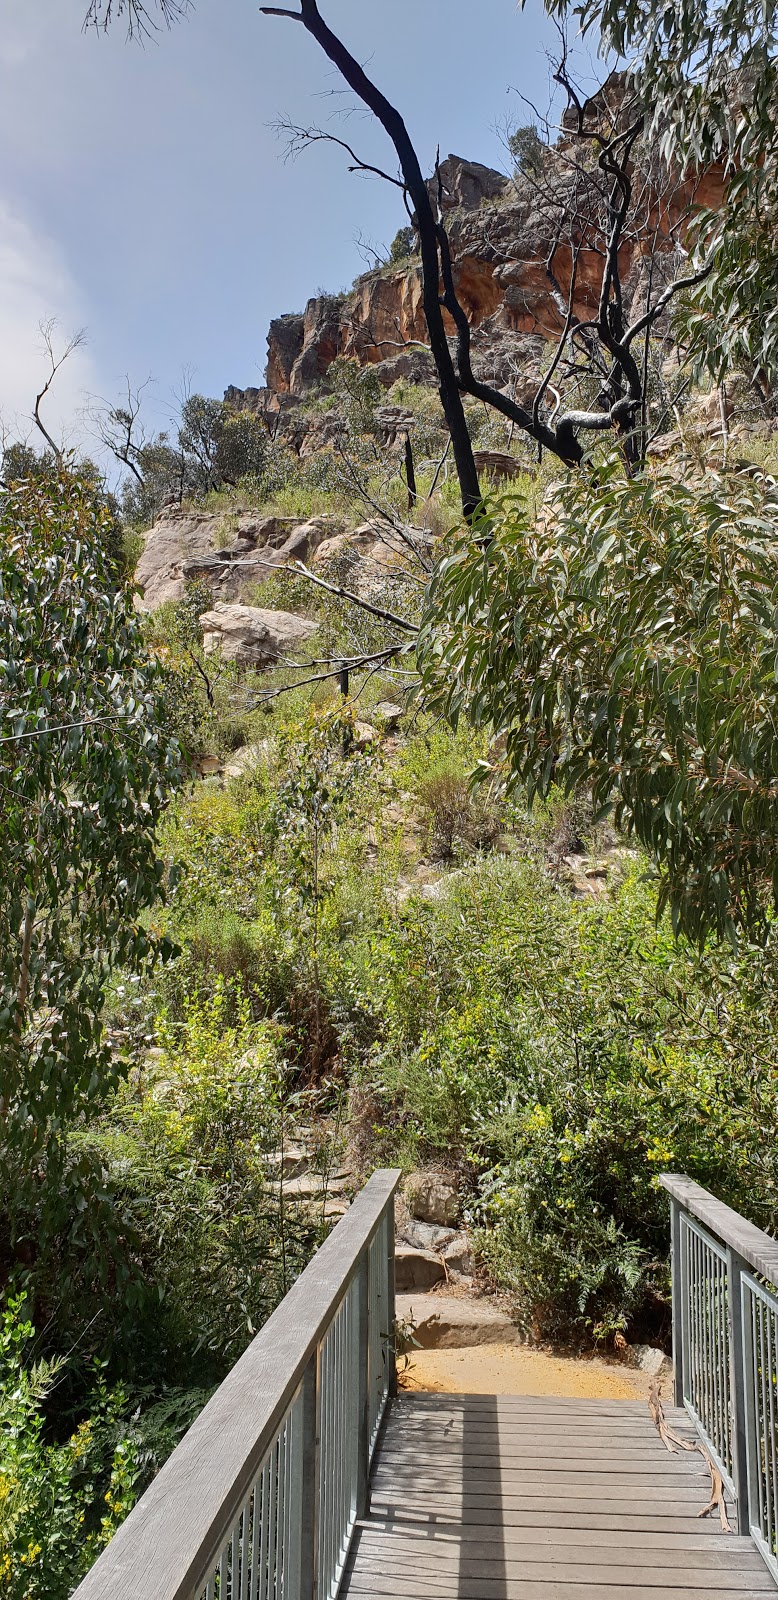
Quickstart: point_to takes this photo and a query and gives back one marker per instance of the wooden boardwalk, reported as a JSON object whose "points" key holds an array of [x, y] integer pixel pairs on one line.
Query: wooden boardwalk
{"points": [[481, 1497]]}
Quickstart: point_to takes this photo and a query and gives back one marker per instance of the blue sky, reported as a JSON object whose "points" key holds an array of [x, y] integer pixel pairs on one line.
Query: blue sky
{"points": [[144, 195]]}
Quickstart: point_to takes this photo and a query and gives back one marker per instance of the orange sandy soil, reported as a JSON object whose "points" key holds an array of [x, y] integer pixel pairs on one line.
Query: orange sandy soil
{"points": [[515, 1369]]}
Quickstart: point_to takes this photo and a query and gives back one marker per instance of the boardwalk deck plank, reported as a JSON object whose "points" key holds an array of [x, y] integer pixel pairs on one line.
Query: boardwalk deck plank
{"points": [[520, 1498]]}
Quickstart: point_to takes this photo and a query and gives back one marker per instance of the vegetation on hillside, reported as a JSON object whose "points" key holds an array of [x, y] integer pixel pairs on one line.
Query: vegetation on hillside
{"points": [[507, 909]]}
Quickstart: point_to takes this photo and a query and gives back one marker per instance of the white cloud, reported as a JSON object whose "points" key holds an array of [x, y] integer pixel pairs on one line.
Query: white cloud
{"points": [[35, 288]]}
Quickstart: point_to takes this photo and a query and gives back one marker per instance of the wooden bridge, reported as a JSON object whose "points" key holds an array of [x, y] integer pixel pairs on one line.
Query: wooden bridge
{"points": [[308, 1477]]}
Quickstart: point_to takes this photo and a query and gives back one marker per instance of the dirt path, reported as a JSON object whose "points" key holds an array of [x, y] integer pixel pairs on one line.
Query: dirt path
{"points": [[514, 1369]]}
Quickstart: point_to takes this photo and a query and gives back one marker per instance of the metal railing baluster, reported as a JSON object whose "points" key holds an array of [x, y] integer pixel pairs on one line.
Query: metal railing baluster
{"points": [[260, 1499], [725, 1349]]}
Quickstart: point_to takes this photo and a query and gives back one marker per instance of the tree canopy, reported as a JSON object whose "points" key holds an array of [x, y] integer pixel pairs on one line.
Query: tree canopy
{"points": [[86, 770], [623, 643]]}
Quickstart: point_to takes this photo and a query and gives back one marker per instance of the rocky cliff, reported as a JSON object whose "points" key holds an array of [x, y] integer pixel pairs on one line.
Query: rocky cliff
{"points": [[512, 270]]}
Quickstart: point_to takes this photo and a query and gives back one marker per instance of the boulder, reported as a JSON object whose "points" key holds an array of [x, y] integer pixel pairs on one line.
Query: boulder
{"points": [[305, 539], [341, 544], [252, 637], [431, 1198], [388, 714], [351, 550], [454, 1322], [416, 1269], [208, 766], [458, 1257], [426, 1235], [497, 464], [248, 759], [647, 1358]]}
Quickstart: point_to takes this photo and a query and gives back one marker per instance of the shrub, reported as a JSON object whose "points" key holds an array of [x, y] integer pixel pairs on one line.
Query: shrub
{"points": [[187, 1150], [59, 1503], [402, 246], [456, 817]]}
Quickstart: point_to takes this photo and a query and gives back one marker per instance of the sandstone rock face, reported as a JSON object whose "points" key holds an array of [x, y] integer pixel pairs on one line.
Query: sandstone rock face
{"points": [[300, 348], [285, 342], [251, 636], [466, 184], [184, 545], [502, 237]]}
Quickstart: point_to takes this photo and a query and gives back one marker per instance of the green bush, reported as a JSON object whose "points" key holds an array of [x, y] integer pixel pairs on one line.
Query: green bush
{"points": [[59, 1503], [565, 1052], [625, 641], [187, 1149], [61, 1500]]}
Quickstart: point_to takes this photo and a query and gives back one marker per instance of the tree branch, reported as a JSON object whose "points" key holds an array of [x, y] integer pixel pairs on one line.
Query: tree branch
{"points": [[342, 594], [47, 331], [394, 126]]}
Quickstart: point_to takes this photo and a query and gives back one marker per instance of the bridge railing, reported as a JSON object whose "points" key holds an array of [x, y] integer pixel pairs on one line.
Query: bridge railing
{"points": [[725, 1349], [260, 1499]]}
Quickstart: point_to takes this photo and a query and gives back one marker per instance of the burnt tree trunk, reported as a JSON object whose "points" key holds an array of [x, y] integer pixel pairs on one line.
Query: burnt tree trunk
{"points": [[427, 228]]}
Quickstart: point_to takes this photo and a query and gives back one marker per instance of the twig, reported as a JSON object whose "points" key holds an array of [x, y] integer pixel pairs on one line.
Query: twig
{"points": [[671, 1440]]}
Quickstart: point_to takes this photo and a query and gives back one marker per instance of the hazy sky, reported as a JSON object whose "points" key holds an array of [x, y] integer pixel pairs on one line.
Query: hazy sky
{"points": [[144, 195]]}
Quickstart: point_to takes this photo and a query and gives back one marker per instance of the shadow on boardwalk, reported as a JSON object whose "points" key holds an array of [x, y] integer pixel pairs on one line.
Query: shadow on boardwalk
{"points": [[486, 1497]]}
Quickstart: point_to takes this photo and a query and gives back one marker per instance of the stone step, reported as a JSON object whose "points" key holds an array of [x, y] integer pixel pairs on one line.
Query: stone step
{"points": [[454, 1322], [417, 1269], [310, 1186]]}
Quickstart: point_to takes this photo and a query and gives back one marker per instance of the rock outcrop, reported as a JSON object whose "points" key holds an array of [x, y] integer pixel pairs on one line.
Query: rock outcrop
{"points": [[230, 555], [252, 637], [503, 233]]}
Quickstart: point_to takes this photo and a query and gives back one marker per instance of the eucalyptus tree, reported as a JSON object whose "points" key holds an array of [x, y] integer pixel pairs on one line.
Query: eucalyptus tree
{"points": [[623, 644], [86, 771]]}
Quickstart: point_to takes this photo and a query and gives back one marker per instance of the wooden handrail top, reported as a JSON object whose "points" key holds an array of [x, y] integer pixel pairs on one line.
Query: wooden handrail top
{"points": [[170, 1540], [750, 1242]]}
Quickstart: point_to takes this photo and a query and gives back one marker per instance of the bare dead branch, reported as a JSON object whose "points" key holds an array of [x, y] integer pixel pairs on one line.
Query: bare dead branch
{"points": [[426, 223], [375, 659], [342, 594], [300, 138], [55, 362], [140, 22]]}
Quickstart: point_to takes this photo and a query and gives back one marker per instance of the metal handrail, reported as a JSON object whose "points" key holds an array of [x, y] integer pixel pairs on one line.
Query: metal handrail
{"points": [[725, 1349], [260, 1498]]}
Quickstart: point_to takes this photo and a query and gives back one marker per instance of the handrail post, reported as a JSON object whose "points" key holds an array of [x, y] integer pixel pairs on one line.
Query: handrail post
{"points": [[391, 1299], [676, 1281], [363, 1386], [736, 1266], [311, 1490]]}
